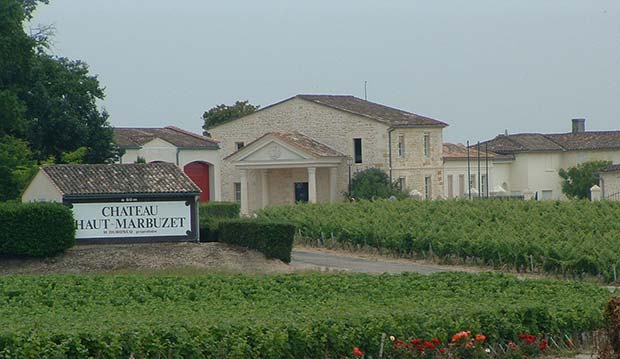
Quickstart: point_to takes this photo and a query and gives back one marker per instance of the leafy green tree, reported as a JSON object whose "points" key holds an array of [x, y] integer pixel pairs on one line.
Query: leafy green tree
{"points": [[373, 183], [222, 113], [577, 180], [16, 167], [61, 104]]}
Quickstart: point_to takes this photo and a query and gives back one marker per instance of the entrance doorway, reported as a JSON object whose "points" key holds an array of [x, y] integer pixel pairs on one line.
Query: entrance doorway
{"points": [[199, 173], [301, 192]]}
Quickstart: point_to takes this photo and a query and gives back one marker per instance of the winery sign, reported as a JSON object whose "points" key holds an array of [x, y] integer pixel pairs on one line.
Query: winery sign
{"points": [[132, 219], [122, 203]]}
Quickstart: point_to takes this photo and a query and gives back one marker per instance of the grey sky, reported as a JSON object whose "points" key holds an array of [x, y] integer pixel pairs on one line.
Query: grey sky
{"points": [[482, 66]]}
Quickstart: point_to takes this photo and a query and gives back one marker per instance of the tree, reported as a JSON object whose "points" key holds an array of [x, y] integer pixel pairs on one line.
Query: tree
{"points": [[61, 104], [223, 113], [373, 183], [16, 167], [577, 180]]}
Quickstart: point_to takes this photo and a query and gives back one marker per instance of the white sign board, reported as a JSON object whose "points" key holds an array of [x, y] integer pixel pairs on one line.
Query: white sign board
{"points": [[132, 219]]}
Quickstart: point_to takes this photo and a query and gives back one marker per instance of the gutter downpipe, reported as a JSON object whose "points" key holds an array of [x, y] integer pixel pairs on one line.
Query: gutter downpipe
{"points": [[390, 130]]}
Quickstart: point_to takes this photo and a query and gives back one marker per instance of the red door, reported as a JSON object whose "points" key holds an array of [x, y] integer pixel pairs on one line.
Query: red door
{"points": [[199, 173]]}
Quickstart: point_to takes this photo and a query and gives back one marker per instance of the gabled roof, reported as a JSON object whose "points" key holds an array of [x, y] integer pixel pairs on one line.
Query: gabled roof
{"points": [[299, 141], [459, 151], [388, 115], [128, 138], [137, 178], [559, 142]]}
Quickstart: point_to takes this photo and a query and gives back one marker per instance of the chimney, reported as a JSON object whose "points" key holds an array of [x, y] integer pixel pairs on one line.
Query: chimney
{"points": [[579, 125]]}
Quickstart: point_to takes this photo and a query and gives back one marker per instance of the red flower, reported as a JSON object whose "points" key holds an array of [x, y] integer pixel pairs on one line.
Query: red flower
{"points": [[522, 336], [480, 337], [357, 352], [429, 345], [420, 348], [543, 345], [398, 343], [460, 335], [512, 346], [442, 350], [416, 341], [468, 345], [436, 341]]}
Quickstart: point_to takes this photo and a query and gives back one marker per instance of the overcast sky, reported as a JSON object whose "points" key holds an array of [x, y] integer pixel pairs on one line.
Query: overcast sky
{"points": [[483, 66]]}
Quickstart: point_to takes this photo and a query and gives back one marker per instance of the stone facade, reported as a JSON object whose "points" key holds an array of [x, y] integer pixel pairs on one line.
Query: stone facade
{"points": [[337, 129]]}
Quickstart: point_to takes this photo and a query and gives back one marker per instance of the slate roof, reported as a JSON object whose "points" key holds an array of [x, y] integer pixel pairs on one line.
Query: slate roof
{"points": [[612, 168], [129, 138], [558, 142], [388, 115], [459, 151], [300, 141], [136, 178]]}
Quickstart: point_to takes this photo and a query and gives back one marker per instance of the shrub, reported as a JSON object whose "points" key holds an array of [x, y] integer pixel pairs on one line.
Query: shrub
{"points": [[211, 214], [36, 229], [374, 183], [274, 239]]}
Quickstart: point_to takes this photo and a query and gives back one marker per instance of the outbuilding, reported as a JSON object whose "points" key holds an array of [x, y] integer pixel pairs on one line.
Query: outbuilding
{"points": [[121, 203]]}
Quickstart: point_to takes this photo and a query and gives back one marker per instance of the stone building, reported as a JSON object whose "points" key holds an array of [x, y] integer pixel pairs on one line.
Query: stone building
{"points": [[307, 147], [198, 156]]}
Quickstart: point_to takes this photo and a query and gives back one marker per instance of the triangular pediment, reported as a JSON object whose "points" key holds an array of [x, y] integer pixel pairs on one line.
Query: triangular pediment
{"points": [[274, 151]]}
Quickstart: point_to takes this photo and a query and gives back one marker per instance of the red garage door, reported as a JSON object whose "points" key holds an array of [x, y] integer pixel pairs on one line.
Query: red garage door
{"points": [[199, 173]]}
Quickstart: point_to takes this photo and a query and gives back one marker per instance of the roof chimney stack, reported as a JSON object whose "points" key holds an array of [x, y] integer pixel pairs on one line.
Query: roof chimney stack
{"points": [[579, 125]]}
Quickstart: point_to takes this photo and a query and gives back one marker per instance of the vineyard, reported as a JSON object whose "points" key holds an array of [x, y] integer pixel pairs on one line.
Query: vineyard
{"points": [[284, 316], [569, 238]]}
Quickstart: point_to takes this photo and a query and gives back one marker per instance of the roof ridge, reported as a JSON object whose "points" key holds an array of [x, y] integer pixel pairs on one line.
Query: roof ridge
{"points": [[189, 133]]}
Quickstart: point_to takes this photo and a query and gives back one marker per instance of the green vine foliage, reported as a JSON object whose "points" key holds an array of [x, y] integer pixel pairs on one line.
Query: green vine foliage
{"points": [[311, 315], [570, 238]]}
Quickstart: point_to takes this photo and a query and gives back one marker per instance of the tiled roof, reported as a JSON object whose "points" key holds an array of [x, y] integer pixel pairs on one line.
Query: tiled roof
{"points": [[612, 168], [388, 115], [538, 142], [136, 137], [137, 178], [459, 151]]}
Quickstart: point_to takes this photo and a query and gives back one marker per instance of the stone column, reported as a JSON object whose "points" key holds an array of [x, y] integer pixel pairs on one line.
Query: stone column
{"points": [[265, 190], [245, 209], [333, 184], [312, 184]]}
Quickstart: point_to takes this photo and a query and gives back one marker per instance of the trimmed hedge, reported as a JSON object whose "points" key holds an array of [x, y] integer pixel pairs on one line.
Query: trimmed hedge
{"points": [[274, 239], [36, 229], [211, 213]]}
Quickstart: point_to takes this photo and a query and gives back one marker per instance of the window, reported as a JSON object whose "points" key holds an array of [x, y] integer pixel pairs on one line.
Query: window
{"points": [[483, 185], [402, 184], [357, 148], [239, 145], [472, 181], [401, 146], [461, 185], [427, 145], [427, 187], [238, 192], [450, 186], [546, 195]]}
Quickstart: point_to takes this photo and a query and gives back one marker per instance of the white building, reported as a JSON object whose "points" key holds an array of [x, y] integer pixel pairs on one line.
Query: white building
{"points": [[539, 157], [609, 182], [197, 155], [482, 171]]}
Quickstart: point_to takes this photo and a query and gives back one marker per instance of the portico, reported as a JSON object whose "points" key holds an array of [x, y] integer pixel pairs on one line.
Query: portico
{"points": [[285, 168]]}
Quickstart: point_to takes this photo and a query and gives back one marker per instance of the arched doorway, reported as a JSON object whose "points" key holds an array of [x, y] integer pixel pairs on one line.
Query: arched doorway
{"points": [[199, 173]]}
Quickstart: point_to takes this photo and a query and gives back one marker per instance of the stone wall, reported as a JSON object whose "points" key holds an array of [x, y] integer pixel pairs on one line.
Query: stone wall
{"points": [[610, 184]]}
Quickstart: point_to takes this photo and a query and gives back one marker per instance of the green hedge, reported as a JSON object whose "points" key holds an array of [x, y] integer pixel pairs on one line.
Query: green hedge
{"points": [[36, 229], [211, 213], [274, 239]]}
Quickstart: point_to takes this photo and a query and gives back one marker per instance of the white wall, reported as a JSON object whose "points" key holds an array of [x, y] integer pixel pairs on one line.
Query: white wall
{"points": [[458, 167], [160, 150], [41, 189]]}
